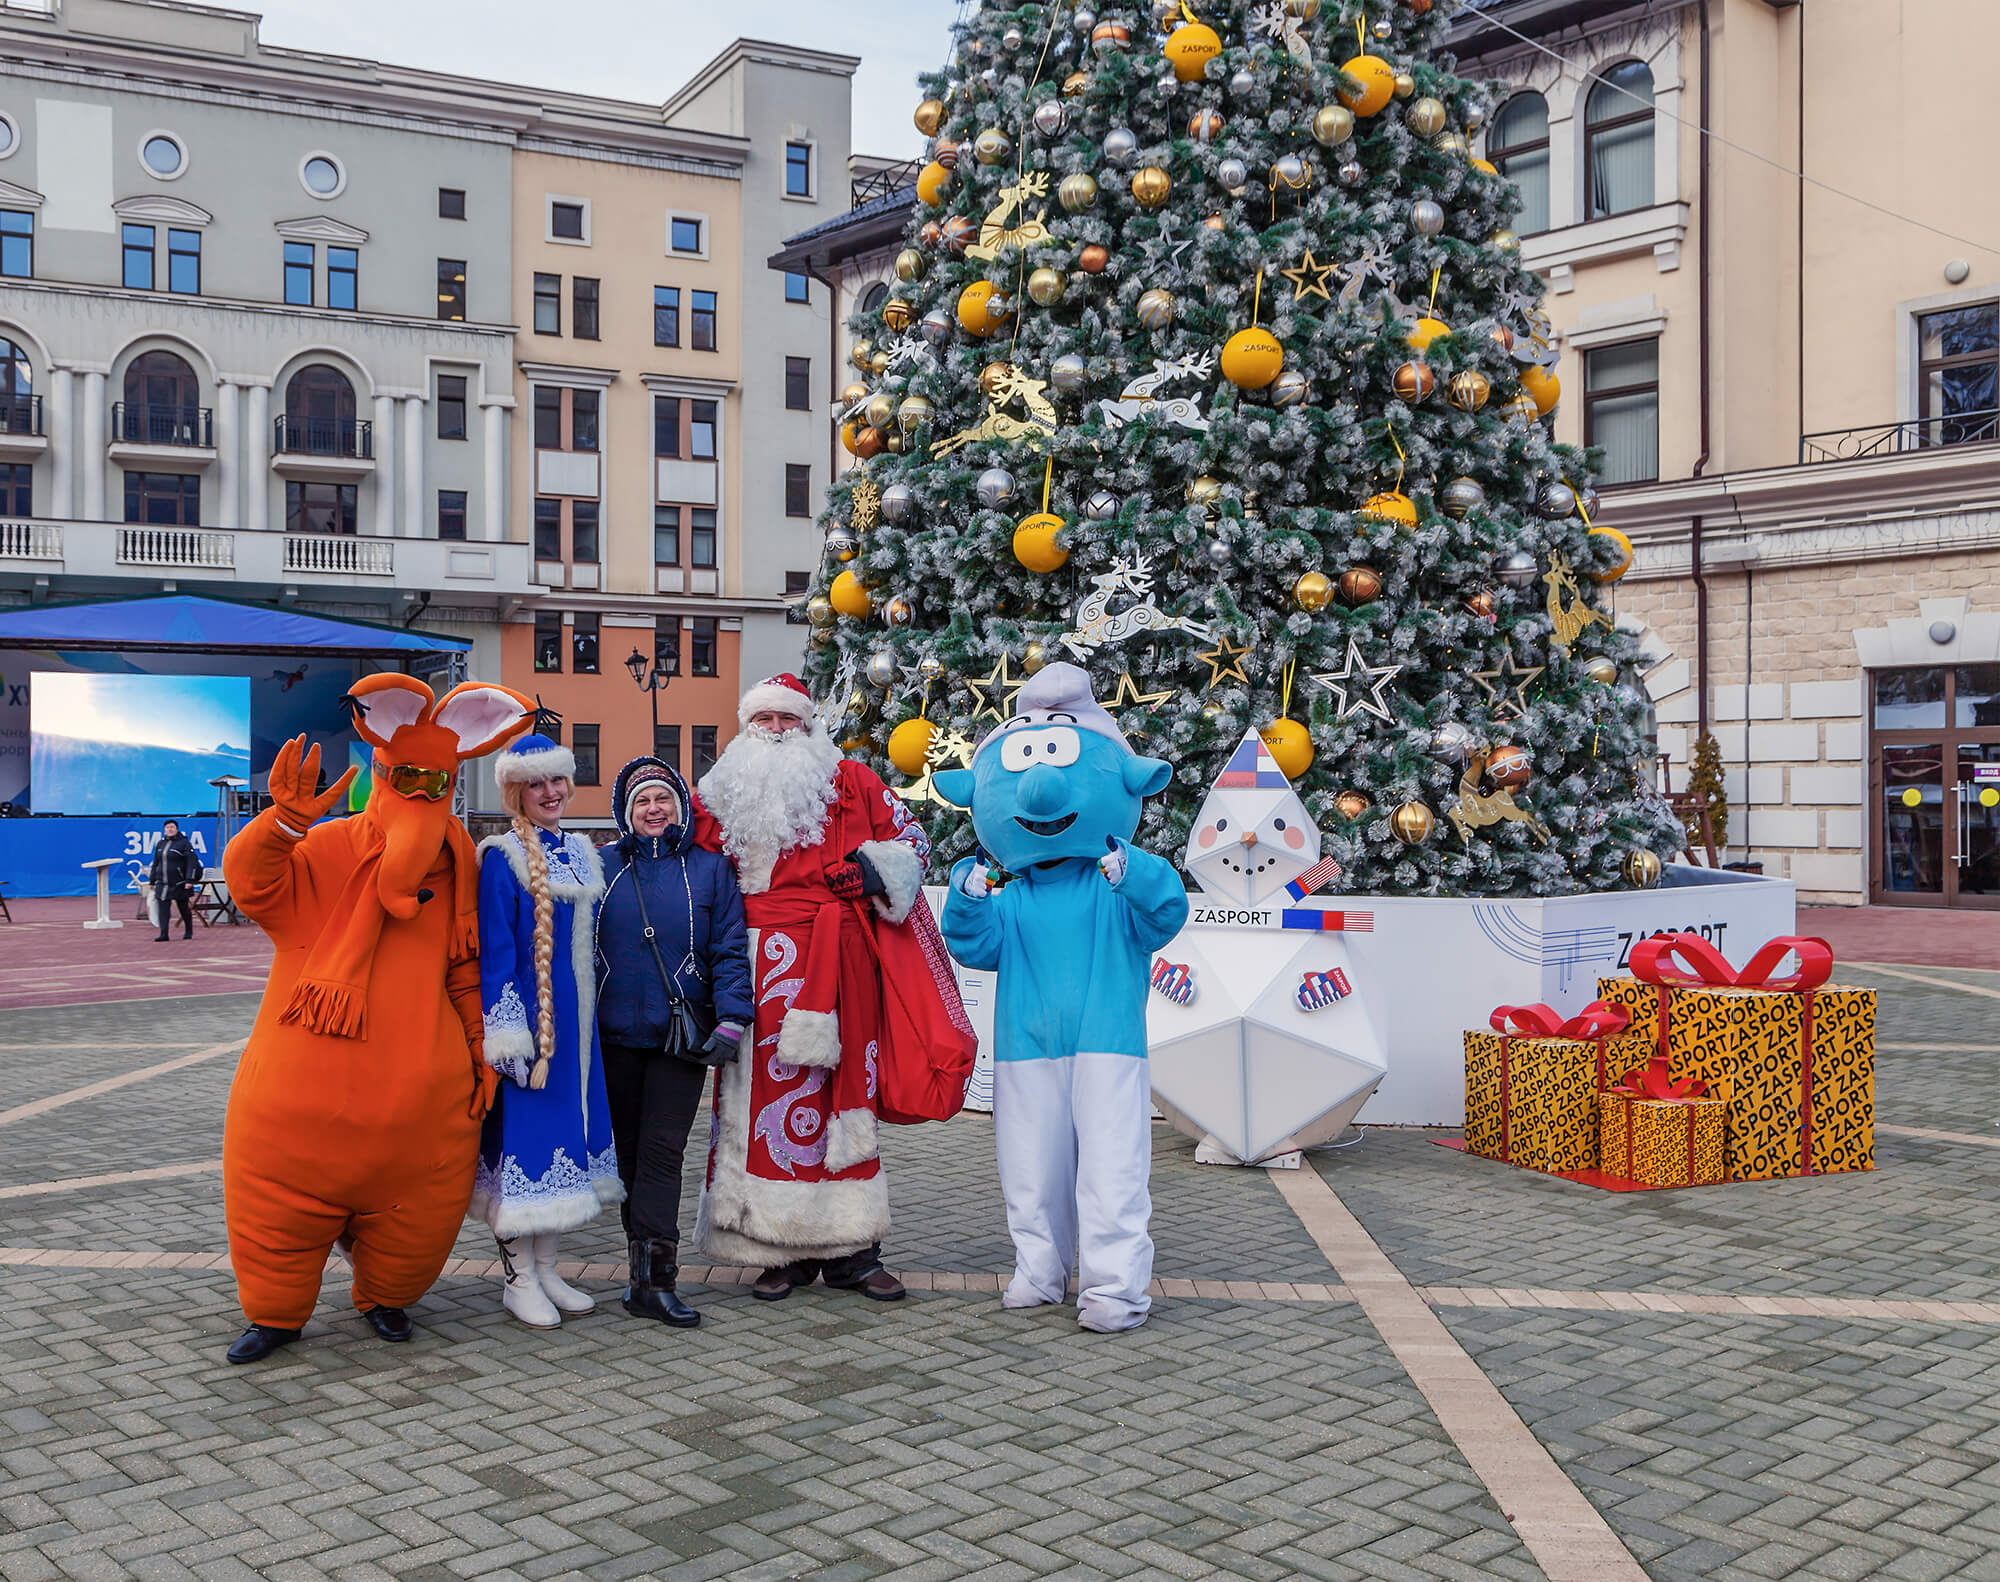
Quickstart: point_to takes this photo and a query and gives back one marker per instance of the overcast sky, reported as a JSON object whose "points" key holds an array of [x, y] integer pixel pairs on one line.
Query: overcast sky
{"points": [[632, 49]]}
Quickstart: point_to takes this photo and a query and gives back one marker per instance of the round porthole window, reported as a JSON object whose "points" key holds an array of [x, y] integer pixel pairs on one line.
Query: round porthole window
{"points": [[10, 136], [163, 155], [322, 176]]}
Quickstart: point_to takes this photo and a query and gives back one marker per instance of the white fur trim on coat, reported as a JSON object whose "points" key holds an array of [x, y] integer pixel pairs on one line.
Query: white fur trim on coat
{"points": [[851, 1137], [782, 700], [902, 872], [758, 1224], [546, 763], [809, 1038]]}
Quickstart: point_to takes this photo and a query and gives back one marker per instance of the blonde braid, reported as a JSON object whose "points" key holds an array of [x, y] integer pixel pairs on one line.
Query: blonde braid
{"points": [[545, 949]]}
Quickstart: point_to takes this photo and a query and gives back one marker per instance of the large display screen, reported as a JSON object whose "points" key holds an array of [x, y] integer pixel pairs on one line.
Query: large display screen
{"points": [[134, 743]]}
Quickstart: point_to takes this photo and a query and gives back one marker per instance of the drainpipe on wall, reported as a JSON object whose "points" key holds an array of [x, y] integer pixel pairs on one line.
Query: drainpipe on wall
{"points": [[832, 368], [1701, 461]]}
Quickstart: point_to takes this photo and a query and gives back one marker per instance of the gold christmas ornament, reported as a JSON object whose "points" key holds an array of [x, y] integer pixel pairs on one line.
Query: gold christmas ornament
{"points": [[1034, 656], [1251, 358], [1332, 123], [848, 597], [1520, 408], [899, 611], [1451, 144], [994, 376], [912, 413], [1504, 241], [1150, 186], [1642, 868], [1542, 387], [1411, 823], [1045, 287], [849, 394], [1374, 84], [859, 353], [1360, 585], [1204, 490], [981, 309], [1351, 804], [820, 611], [1425, 116], [1405, 85], [897, 314], [1302, 10], [869, 442], [880, 411], [1189, 50], [1312, 591], [1469, 389], [1601, 669], [1290, 746], [1391, 506], [910, 744], [1619, 543], [1414, 381], [1205, 126], [909, 265], [929, 117], [992, 147], [1035, 543], [1156, 308], [1077, 193], [1075, 83], [850, 437], [1289, 388]]}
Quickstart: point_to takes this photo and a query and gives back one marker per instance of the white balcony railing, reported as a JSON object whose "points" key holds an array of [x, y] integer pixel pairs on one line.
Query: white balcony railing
{"points": [[30, 541], [340, 554], [176, 546]]}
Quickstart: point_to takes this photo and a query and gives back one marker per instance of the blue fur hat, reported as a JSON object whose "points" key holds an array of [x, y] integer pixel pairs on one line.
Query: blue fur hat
{"points": [[534, 757]]}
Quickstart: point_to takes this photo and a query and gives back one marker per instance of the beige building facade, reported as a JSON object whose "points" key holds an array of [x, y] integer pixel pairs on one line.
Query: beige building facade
{"points": [[1795, 384]]}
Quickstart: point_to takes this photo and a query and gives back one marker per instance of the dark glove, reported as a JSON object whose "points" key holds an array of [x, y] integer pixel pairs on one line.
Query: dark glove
{"points": [[722, 1044], [856, 879]]}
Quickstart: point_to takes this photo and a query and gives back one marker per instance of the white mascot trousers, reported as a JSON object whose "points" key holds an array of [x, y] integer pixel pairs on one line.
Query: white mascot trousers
{"points": [[1075, 1139]]}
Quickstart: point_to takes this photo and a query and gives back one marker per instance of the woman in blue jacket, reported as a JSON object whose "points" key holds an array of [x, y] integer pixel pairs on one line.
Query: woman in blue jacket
{"points": [[673, 998]]}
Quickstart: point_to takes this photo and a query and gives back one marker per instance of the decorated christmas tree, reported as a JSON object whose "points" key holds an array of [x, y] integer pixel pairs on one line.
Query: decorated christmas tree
{"points": [[1211, 367]]}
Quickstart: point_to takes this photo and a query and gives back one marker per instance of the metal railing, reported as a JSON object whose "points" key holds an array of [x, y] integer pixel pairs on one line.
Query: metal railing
{"points": [[30, 541], [880, 183], [152, 423], [21, 414], [1889, 439], [324, 436], [176, 546], [340, 554]]}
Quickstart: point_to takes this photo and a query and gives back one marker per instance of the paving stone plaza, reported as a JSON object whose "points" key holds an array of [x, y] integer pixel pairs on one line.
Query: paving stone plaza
{"points": [[1396, 1363]]}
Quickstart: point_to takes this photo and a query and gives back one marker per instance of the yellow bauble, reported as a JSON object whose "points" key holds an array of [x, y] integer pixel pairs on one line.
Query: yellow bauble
{"points": [[1426, 330], [1486, 165], [976, 308], [1619, 542], [1394, 506], [929, 117], [1289, 745], [908, 745], [1035, 543], [1313, 590], [1191, 48], [932, 183], [1377, 80], [1543, 388], [848, 438], [1251, 358], [848, 597], [1151, 186]]}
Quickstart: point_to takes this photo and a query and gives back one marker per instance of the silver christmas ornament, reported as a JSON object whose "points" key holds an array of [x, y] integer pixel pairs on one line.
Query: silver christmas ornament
{"points": [[1234, 176], [1120, 147], [1241, 83], [935, 327], [1556, 500], [1461, 497], [929, 668], [1166, 12], [881, 668], [1156, 308], [1011, 39], [1451, 742], [1218, 552], [1066, 373], [841, 544], [1349, 172], [1289, 170], [899, 503], [1426, 218], [1049, 117], [1289, 388], [995, 487], [1084, 20], [1518, 569], [1101, 506], [1383, 28], [1475, 117], [1586, 500]]}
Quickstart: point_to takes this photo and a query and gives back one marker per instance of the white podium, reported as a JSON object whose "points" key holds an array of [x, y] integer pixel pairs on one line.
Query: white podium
{"points": [[104, 865]]}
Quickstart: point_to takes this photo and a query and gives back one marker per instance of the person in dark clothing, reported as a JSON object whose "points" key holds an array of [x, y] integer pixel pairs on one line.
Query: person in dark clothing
{"points": [[176, 871], [673, 998]]}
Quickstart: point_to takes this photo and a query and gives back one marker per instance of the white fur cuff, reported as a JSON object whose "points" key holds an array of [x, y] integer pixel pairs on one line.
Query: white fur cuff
{"points": [[508, 1049], [902, 873], [809, 1038], [850, 1139]]}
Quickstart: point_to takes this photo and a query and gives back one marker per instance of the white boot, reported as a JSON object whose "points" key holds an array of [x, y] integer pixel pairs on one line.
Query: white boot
{"points": [[520, 1292], [565, 1296]]}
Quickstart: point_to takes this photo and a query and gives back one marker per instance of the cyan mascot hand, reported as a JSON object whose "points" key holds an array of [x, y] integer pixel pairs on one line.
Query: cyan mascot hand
{"points": [[1057, 780]]}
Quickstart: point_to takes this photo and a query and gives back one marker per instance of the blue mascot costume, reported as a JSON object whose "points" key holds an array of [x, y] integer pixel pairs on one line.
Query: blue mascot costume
{"points": [[1055, 795]]}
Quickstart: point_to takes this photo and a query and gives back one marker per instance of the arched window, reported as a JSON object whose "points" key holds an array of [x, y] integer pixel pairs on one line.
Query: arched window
{"points": [[319, 413], [162, 404], [1618, 140], [875, 296], [17, 398], [1518, 146]]}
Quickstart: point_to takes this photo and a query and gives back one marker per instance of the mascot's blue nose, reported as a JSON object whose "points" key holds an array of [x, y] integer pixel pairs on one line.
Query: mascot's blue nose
{"points": [[1043, 791]]}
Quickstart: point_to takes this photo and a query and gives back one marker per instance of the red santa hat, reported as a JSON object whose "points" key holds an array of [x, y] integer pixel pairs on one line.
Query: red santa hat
{"points": [[784, 693]]}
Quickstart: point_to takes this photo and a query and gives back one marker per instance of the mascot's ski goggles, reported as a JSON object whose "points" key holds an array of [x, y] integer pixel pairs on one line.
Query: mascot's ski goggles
{"points": [[411, 781]]}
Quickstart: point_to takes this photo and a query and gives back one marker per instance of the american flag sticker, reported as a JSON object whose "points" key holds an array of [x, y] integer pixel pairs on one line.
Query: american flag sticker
{"points": [[1325, 871], [1318, 990], [1316, 921], [1174, 981]]}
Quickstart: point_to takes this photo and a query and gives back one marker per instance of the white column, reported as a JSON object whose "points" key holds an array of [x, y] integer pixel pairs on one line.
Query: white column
{"points": [[496, 473], [257, 460], [90, 452], [57, 420], [414, 518], [384, 522], [228, 457]]}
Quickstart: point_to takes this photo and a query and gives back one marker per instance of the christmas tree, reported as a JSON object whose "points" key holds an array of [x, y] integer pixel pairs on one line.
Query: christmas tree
{"points": [[1211, 367]]}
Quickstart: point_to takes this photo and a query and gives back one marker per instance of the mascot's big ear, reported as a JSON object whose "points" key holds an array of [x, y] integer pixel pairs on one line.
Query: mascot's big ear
{"points": [[384, 704], [483, 717], [955, 786], [1146, 776]]}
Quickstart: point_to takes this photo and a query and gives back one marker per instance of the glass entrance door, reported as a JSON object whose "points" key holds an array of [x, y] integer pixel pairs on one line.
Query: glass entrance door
{"points": [[1977, 810], [1910, 866], [1934, 774]]}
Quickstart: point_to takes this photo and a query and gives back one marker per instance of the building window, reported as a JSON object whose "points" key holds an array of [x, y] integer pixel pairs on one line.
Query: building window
{"points": [[701, 430], [1959, 374], [1518, 147], [320, 415], [666, 738], [548, 417], [451, 406], [451, 203], [798, 384], [704, 750], [666, 425], [321, 175], [566, 221], [798, 288], [319, 507], [873, 298], [184, 262], [138, 247], [451, 289], [798, 170], [163, 156], [583, 537], [583, 308], [798, 489], [701, 541], [666, 315], [796, 583], [548, 638], [583, 743], [17, 488], [162, 404], [701, 328], [163, 499], [684, 233], [548, 529], [548, 304], [451, 513], [583, 643], [299, 259], [583, 408], [343, 278], [1621, 409], [1618, 140], [666, 535], [17, 244]]}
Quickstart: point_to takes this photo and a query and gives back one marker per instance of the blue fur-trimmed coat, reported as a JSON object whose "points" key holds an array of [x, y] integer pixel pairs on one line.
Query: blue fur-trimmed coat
{"points": [[546, 1160]]}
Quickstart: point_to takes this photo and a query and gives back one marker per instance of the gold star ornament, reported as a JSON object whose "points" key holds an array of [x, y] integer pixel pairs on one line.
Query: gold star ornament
{"points": [[993, 692], [1129, 695], [1225, 662], [1309, 278], [1506, 685]]}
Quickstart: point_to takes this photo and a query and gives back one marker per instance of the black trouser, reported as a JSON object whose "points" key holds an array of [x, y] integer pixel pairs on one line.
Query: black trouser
{"points": [[653, 1098], [178, 896]]}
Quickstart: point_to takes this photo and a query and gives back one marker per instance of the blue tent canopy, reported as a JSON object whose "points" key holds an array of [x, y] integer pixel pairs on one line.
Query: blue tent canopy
{"points": [[181, 621]]}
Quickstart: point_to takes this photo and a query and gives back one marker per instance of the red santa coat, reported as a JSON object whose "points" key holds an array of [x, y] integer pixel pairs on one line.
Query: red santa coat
{"points": [[793, 1170]]}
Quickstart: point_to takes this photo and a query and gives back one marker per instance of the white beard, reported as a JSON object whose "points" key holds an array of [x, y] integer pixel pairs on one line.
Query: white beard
{"points": [[770, 794]]}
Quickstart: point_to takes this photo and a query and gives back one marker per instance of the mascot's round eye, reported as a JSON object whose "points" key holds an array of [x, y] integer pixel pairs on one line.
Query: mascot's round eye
{"points": [[1277, 823], [1056, 745], [1221, 824]]}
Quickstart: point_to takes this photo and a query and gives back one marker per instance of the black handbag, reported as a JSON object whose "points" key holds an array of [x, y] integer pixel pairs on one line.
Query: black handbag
{"points": [[685, 1037]]}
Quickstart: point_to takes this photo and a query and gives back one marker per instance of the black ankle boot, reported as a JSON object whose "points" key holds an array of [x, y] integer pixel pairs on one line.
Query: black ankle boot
{"points": [[649, 1293]]}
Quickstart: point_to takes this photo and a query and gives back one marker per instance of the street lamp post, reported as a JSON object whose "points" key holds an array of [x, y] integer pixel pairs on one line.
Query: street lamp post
{"points": [[653, 682]]}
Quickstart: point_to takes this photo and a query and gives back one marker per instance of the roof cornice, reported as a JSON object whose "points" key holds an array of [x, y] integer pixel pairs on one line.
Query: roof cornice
{"points": [[759, 52]]}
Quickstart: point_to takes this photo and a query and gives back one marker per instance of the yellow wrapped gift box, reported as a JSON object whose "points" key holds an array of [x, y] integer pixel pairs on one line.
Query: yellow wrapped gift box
{"points": [[1532, 1100], [1660, 1133]]}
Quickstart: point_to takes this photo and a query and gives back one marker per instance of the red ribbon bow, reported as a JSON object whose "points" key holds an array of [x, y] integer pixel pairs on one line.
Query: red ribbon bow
{"points": [[1595, 1020], [1653, 962], [1654, 1080]]}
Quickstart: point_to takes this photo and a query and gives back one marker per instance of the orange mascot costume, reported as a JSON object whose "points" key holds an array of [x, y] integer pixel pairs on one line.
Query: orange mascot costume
{"points": [[354, 1117]]}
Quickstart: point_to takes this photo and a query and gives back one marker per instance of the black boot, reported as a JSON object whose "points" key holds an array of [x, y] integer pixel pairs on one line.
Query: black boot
{"points": [[161, 938], [259, 1341], [649, 1293]]}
